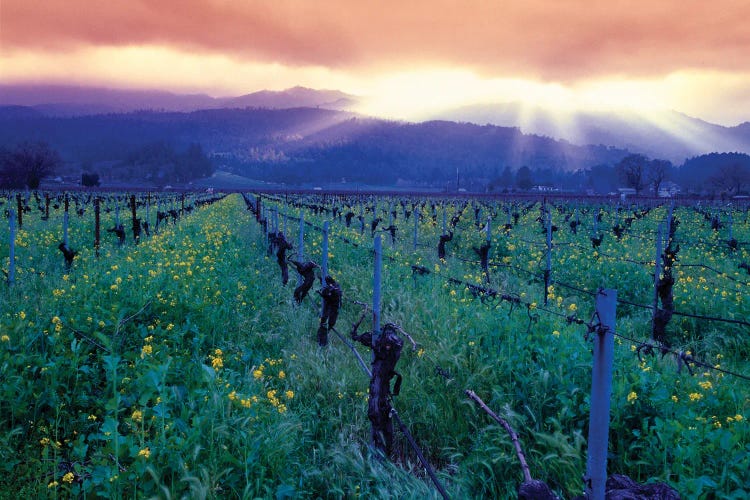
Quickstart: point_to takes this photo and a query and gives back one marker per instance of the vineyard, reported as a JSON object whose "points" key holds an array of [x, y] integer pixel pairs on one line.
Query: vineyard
{"points": [[151, 345]]}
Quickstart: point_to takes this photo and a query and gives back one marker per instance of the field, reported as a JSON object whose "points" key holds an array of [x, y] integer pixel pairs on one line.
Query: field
{"points": [[182, 366]]}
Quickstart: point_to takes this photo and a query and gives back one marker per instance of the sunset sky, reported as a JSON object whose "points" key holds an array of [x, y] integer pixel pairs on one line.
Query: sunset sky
{"points": [[405, 58]]}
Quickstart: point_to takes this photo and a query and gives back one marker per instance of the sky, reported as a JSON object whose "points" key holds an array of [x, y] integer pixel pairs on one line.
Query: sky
{"points": [[405, 58]]}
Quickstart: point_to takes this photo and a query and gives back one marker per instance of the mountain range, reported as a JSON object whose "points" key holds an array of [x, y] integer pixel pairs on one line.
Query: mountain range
{"points": [[303, 135], [68, 100], [669, 135], [660, 134]]}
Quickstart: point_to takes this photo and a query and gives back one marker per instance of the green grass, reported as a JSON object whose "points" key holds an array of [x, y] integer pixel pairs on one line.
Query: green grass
{"points": [[182, 367]]}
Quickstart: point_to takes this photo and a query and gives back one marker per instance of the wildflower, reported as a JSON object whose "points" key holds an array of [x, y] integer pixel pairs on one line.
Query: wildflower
{"points": [[695, 396], [92, 417], [146, 350], [632, 396], [233, 396], [217, 363], [68, 478], [573, 307], [675, 399], [137, 416], [257, 374], [555, 333], [22, 315], [145, 452], [52, 484], [738, 418], [532, 305], [289, 394], [56, 320], [44, 441], [245, 403], [5, 338], [420, 352], [705, 385], [282, 374]]}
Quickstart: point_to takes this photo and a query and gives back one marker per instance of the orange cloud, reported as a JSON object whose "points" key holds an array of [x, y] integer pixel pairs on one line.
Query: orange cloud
{"points": [[563, 40]]}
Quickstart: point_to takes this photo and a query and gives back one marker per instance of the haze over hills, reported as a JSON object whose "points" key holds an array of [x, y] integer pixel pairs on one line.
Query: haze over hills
{"points": [[302, 135], [660, 134], [669, 135], [68, 100]]}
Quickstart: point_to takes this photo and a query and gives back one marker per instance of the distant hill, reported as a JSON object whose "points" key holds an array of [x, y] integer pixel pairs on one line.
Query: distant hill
{"points": [[668, 135], [305, 144], [68, 100]]}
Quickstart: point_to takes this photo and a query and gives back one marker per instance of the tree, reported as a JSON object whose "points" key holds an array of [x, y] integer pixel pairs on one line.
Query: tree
{"points": [[89, 179], [524, 180], [657, 173], [27, 164], [732, 179], [601, 178], [632, 170]]}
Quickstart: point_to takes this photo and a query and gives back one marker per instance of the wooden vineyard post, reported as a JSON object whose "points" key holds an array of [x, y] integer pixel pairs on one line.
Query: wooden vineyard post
{"points": [[136, 224], [444, 216], [66, 219], [12, 248], [548, 269], [657, 272], [376, 281], [147, 221], [390, 225], [286, 210], [416, 227], [267, 218], [324, 257], [361, 218], [486, 263], [601, 392], [20, 211], [97, 220], [301, 248], [507, 213]]}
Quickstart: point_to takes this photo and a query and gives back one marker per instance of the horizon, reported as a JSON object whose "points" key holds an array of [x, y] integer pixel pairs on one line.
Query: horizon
{"points": [[409, 62]]}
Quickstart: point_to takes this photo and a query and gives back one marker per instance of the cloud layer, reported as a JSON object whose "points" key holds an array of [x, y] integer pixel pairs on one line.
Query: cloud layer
{"points": [[564, 40]]}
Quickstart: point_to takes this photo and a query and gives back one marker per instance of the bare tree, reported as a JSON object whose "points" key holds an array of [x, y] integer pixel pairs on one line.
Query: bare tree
{"points": [[657, 173], [632, 171], [732, 179], [27, 164]]}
